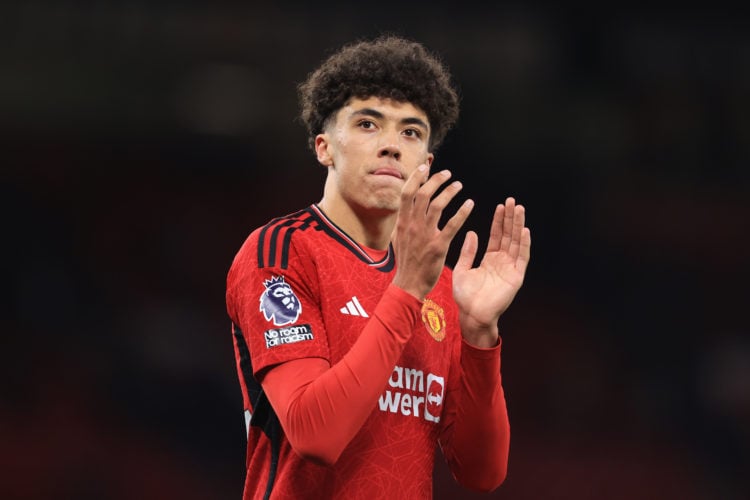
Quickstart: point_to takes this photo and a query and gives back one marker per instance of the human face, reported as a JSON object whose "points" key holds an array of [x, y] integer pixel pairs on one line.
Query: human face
{"points": [[370, 147]]}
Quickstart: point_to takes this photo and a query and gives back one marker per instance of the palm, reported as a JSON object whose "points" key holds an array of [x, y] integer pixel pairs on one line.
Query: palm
{"points": [[483, 293]]}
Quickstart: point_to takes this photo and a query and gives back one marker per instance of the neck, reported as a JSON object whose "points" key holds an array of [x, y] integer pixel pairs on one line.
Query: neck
{"points": [[369, 227]]}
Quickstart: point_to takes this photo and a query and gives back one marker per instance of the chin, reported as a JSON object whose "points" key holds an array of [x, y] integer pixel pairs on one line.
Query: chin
{"points": [[386, 205], [392, 203]]}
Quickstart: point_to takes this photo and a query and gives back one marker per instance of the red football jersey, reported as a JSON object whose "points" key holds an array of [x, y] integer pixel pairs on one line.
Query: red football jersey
{"points": [[300, 287]]}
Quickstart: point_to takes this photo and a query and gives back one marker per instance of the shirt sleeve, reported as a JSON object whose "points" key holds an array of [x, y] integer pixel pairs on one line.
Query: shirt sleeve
{"points": [[322, 407], [475, 439], [276, 307]]}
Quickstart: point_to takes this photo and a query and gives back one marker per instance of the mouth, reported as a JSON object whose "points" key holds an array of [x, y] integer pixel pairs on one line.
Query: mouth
{"points": [[389, 171]]}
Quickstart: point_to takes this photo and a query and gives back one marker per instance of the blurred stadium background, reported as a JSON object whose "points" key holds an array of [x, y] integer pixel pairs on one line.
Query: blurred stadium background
{"points": [[142, 141]]}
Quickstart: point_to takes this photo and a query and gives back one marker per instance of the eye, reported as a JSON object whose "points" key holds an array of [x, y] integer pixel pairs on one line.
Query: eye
{"points": [[366, 124], [413, 132]]}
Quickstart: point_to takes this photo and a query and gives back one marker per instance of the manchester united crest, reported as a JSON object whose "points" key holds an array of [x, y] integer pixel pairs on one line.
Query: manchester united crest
{"points": [[433, 318]]}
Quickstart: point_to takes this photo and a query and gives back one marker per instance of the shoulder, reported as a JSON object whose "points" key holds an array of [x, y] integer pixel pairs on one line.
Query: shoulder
{"points": [[270, 244], [277, 248]]}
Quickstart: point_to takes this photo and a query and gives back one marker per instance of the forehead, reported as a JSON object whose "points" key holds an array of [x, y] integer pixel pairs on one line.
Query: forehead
{"points": [[389, 108]]}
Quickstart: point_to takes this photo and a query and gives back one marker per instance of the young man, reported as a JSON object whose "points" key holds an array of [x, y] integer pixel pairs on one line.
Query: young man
{"points": [[358, 350]]}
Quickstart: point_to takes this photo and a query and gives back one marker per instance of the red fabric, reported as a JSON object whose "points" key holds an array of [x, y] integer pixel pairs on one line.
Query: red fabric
{"points": [[476, 439], [312, 409], [321, 407], [354, 369]]}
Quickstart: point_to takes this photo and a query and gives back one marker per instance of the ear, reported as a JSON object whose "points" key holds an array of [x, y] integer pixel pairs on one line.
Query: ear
{"points": [[430, 158], [322, 146]]}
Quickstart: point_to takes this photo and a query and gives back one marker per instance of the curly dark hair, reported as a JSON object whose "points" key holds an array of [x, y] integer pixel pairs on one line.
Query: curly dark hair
{"points": [[387, 67]]}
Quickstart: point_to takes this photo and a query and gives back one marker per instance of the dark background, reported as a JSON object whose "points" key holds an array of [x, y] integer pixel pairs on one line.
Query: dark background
{"points": [[142, 142]]}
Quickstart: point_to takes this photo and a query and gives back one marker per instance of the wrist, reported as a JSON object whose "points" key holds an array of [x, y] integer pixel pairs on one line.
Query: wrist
{"points": [[412, 290], [484, 335]]}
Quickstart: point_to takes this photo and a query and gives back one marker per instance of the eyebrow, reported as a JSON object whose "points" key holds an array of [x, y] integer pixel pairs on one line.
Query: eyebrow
{"points": [[411, 120]]}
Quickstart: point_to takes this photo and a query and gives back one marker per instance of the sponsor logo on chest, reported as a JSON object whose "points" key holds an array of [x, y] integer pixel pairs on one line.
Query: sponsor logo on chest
{"points": [[411, 392]]}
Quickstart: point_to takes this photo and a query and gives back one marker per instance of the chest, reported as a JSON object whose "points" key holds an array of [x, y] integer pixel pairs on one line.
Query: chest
{"points": [[350, 291]]}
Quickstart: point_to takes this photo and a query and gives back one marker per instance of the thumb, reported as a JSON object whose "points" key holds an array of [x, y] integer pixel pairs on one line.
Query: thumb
{"points": [[468, 252]]}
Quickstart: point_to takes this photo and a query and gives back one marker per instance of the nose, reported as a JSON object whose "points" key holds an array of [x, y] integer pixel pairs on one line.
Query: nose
{"points": [[390, 150], [389, 147]]}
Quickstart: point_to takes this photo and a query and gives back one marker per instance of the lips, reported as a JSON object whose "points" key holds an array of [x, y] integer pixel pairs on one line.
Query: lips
{"points": [[389, 171]]}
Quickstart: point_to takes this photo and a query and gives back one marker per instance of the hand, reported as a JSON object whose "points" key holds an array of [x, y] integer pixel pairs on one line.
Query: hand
{"points": [[485, 292], [419, 245]]}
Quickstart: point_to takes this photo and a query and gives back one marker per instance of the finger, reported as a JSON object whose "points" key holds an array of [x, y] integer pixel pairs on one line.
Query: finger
{"points": [[524, 253], [518, 222], [409, 190], [496, 229], [438, 204], [510, 205], [454, 223], [468, 252], [428, 189]]}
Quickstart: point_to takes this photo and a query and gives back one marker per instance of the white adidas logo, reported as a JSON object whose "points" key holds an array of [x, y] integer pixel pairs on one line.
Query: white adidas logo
{"points": [[354, 308]]}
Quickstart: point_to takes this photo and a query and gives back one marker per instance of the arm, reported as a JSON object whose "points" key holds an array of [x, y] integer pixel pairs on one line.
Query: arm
{"points": [[476, 437], [322, 407], [480, 435]]}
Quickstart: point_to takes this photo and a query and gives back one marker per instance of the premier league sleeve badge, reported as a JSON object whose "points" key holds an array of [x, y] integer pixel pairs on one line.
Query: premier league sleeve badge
{"points": [[278, 303]]}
